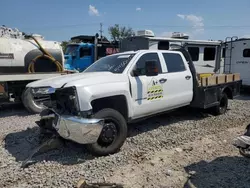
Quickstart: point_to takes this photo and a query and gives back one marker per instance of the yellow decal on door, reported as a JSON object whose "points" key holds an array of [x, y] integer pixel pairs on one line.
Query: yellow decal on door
{"points": [[155, 92]]}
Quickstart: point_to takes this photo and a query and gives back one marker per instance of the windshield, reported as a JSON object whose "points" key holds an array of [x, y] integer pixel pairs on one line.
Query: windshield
{"points": [[71, 49], [113, 63]]}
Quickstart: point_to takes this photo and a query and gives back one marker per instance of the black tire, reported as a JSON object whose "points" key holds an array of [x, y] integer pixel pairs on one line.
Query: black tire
{"points": [[223, 104], [29, 102], [100, 148]]}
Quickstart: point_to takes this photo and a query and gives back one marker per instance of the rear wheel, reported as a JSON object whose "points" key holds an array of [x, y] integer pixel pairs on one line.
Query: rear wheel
{"points": [[113, 134], [223, 104]]}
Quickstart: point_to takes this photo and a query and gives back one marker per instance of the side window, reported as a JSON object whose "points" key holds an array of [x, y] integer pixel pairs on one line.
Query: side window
{"points": [[85, 52], [246, 53], [194, 53], [209, 54], [174, 62], [140, 65]]}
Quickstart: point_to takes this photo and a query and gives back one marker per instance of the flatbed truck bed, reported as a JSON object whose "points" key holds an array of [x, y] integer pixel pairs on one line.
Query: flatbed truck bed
{"points": [[208, 96]]}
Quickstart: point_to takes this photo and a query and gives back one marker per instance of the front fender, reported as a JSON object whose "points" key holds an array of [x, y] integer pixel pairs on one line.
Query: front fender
{"points": [[89, 93]]}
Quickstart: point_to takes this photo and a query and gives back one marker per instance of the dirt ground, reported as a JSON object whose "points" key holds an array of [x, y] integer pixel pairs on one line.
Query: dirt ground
{"points": [[208, 162], [180, 149]]}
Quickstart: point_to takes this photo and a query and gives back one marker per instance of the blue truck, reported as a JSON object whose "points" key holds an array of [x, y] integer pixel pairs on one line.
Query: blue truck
{"points": [[85, 50]]}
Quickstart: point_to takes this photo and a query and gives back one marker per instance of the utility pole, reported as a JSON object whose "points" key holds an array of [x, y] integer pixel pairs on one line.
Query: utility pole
{"points": [[101, 31]]}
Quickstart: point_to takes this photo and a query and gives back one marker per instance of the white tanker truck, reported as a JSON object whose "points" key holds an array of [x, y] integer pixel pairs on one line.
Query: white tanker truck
{"points": [[23, 59]]}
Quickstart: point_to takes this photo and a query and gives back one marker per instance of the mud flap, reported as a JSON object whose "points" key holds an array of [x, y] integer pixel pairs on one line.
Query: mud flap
{"points": [[53, 142]]}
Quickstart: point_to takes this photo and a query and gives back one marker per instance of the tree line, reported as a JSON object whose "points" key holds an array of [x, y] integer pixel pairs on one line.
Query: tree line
{"points": [[116, 33]]}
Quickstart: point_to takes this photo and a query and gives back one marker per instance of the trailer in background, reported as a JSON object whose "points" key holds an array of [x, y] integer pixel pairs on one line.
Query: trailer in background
{"points": [[236, 58], [205, 54]]}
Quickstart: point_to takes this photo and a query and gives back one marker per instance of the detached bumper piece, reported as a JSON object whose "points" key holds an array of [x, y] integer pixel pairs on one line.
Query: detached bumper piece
{"points": [[76, 129], [50, 144]]}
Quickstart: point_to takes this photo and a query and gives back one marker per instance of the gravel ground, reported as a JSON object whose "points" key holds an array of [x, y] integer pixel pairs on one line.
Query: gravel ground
{"points": [[182, 148]]}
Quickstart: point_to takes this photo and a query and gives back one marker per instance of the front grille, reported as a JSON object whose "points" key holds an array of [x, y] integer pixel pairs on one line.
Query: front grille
{"points": [[66, 101]]}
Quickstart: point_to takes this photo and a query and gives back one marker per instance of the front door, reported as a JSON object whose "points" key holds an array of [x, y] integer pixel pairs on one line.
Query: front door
{"points": [[147, 91]]}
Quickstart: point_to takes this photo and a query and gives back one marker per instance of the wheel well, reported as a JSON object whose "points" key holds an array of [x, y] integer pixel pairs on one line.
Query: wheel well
{"points": [[117, 102], [228, 92]]}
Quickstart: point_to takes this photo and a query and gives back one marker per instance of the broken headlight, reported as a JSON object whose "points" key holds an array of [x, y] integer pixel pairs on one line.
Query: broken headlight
{"points": [[43, 90]]}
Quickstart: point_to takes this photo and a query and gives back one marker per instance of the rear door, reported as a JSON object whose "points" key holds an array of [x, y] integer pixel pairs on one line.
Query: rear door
{"points": [[178, 88]]}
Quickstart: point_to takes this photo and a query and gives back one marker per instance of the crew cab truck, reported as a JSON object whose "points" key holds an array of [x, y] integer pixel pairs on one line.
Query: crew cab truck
{"points": [[95, 106]]}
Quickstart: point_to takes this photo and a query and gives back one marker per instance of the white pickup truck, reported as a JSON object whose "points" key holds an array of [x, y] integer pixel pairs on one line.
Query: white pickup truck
{"points": [[95, 106]]}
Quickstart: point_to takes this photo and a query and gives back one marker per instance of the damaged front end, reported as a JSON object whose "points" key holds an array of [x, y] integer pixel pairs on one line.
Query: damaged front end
{"points": [[62, 119]]}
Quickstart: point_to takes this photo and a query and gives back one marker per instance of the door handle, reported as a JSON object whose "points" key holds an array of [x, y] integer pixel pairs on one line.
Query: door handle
{"points": [[163, 80], [188, 77]]}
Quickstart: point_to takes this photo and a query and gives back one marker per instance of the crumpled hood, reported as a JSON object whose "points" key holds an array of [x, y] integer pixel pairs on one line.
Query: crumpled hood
{"points": [[78, 79]]}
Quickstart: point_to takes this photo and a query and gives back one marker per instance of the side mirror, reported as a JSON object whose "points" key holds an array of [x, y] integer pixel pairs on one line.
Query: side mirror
{"points": [[151, 68]]}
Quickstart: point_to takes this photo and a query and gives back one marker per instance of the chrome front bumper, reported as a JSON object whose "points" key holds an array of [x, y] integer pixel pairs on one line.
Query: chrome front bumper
{"points": [[77, 129]]}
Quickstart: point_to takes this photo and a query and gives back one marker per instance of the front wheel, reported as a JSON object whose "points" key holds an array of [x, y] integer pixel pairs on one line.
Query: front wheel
{"points": [[223, 104], [113, 135]]}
